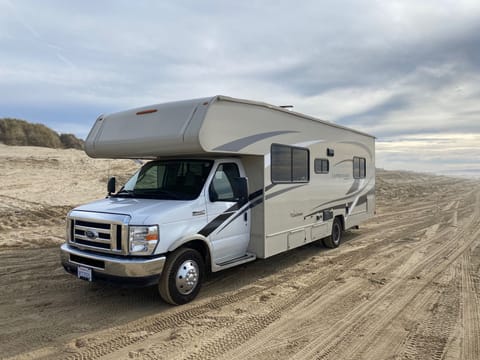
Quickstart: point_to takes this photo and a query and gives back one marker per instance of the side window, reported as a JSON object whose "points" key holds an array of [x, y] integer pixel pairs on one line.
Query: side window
{"points": [[281, 163], [363, 168], [299, 165], [289, 164], [221, 188], [359, 168], [321, 166]]}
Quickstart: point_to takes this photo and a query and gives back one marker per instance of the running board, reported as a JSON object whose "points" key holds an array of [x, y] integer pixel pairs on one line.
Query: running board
{"points": [[234, 262]]}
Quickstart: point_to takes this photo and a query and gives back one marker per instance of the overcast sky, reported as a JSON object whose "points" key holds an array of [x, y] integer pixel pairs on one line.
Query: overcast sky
{"points": [[407, 72]]}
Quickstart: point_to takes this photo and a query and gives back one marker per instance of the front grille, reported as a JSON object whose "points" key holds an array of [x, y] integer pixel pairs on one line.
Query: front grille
{"points": [[101, 236], [91, 224], [96, 235], [119, 236], [92, 244]]}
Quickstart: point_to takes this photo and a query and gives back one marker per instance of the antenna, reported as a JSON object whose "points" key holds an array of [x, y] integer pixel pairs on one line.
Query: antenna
{"points": [[286, 106]]}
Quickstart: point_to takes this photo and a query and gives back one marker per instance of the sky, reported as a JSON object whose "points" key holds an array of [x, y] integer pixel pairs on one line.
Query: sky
{"points": [[407, 72]]}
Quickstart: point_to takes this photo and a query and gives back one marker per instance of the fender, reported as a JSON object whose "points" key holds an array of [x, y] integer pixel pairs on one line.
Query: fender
{"points": [[189, 238]]}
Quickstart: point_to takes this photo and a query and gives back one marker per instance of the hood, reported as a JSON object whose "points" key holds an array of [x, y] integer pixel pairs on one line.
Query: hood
{"points": [[143, 211]]}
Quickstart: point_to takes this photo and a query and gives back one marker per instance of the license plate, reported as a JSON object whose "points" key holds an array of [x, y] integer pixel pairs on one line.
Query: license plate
{"points": [[84, 273]]}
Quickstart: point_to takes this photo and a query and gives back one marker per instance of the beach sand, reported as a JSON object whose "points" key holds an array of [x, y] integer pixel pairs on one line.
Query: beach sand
{"points": [[405, 285]]}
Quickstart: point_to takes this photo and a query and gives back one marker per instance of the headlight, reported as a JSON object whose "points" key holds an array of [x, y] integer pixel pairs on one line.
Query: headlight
{"points": [[142, 239]]}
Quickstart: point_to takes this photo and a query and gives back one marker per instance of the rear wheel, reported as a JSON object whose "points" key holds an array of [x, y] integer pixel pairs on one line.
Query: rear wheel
{"points": [[182, 276], [336, 237]]}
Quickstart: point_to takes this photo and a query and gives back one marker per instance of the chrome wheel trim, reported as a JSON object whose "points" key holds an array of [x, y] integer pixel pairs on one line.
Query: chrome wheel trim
{"points": [[336, 233], [186, 278]]}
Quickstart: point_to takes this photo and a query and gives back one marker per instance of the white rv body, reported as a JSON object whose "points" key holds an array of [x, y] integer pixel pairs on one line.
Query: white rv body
{"points": [[303, 175]]}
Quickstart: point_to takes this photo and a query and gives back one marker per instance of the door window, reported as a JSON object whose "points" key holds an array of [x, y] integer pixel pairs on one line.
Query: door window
{"points": [[221, 188]]}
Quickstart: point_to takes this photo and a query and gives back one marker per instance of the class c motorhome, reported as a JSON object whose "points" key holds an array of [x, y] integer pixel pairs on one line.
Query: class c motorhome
{"points": [[229, 181]]}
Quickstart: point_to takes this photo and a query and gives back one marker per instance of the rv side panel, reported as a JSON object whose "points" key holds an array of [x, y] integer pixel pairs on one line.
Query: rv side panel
{"points": [[232, 127], [302, 210]]}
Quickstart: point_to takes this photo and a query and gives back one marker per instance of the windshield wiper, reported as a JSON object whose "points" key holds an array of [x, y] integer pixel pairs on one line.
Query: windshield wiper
{"points": [[123, 192], [160, 193], [149, 194]]}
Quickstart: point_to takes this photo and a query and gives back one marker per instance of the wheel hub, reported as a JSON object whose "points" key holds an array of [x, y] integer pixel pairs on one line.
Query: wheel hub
{"points": [[336, 233], [186, 278]]}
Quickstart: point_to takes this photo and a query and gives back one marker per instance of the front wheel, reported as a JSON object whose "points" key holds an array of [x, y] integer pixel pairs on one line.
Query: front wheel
{"points": [[334, 239], [182, 276]]}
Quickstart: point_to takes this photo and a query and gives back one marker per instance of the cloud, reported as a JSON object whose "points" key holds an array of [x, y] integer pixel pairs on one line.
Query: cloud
{"points": [[396, 69], [450, 154]]}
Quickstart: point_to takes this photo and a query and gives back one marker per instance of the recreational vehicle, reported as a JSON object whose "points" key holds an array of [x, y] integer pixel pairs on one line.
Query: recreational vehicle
{"points": [[228, 181]]}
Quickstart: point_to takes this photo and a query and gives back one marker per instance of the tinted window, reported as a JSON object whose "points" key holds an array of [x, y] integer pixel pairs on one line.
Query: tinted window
{"points": [[321, 166], [359, 168], [362, 167], [169, 179], [150, 178], [289, 164], [281, 163], [299, 165], [221, 188]]}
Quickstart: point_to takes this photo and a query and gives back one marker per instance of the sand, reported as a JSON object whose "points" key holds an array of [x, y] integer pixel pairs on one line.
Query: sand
{"points": [[406, 285], [38, 186]]}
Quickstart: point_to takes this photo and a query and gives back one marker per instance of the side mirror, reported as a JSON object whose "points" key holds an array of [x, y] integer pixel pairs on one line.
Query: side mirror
{"points": [[240, 190], [111, 186]]}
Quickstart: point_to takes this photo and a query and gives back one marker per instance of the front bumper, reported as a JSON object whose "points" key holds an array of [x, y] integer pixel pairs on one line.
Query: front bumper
{"points": [[117, 268]]}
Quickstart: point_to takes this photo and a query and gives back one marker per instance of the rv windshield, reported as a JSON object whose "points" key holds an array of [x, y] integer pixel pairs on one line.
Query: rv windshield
{"points": [[168, 179]]}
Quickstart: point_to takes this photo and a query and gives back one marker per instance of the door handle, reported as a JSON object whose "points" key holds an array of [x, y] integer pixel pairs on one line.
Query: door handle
{"points": [[245, 216]]}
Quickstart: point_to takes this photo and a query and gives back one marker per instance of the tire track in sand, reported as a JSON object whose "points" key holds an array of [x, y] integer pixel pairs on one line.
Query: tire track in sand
{"points": [[246, 329], [362, 319], [471, 305], [157, 324]]}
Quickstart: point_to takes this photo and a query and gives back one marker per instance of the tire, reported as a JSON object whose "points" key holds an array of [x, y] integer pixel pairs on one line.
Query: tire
{"points": [[182, 276], [335, 238]]}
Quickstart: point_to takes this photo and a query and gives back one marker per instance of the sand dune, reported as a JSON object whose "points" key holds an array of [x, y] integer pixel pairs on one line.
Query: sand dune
{"points": [[39, 186], [406, 285]]}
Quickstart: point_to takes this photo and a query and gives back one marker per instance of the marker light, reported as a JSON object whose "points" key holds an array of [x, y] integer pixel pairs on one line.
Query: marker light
{"points": [[143, 112]]}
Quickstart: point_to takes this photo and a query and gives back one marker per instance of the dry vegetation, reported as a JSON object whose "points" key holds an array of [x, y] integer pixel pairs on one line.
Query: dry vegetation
{"points": [[23, 133], [406, 285]]}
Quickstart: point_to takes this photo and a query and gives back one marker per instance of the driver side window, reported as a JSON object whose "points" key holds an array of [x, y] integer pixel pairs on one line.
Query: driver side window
{"points": [[221, 188]]}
